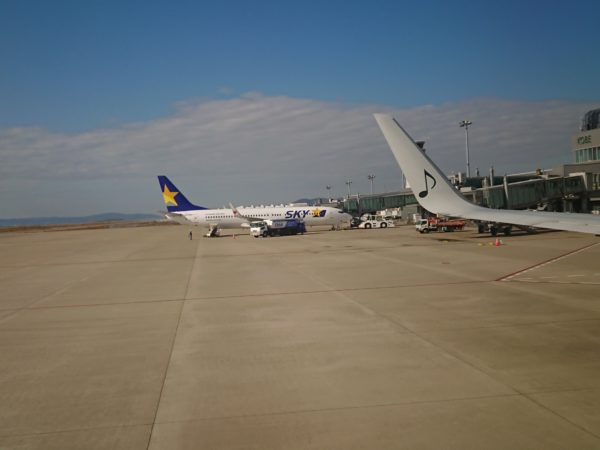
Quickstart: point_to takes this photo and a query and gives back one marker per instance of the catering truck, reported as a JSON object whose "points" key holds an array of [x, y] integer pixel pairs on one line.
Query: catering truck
{"points": [[281, 227]]}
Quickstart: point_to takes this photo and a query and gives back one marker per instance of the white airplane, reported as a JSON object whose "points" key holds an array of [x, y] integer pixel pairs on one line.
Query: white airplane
{"points": [[434, 192], [181, 210]]}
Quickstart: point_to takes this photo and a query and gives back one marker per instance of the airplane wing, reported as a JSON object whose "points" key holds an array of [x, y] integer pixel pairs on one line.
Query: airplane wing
{"points": [[435, 193], [179, 218]]}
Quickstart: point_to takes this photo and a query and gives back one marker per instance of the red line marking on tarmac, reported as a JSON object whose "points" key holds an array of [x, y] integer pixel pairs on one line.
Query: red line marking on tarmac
{"points": [[544, 263], [529, 280]]}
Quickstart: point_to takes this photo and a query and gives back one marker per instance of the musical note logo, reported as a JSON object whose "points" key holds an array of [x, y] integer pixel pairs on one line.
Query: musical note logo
{"points": [[424, 193]]}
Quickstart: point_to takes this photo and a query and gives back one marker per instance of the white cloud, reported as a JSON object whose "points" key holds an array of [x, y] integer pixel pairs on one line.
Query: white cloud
{"points": [[255, 148]]}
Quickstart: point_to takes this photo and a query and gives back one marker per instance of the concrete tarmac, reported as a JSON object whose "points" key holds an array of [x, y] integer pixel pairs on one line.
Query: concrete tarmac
{"points": [[382, 339]]}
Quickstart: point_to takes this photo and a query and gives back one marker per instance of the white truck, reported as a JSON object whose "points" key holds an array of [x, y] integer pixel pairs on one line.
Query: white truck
{"points": [[282, 227], [391, 213], [369, 221]]}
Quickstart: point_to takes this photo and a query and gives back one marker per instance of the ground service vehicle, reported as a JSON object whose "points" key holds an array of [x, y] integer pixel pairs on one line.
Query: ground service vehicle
{"points": [[495, 228], [391, 213], [283, 227], [371, 221], [435, 224]]}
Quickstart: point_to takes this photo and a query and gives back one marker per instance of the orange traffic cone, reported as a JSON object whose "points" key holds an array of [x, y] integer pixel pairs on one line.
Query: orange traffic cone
{"points": [[497, 243]]}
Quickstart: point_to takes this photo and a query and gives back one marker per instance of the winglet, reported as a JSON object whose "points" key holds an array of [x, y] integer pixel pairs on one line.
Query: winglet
{"points": [[432, 188], [235, 211], [239, 215]]}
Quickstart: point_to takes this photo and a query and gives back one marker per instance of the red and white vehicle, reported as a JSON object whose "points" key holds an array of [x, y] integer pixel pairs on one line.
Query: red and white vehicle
{"points": [[436, 224]]}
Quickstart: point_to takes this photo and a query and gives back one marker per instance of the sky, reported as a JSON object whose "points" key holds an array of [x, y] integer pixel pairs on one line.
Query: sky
{"points": [[270, 101]]}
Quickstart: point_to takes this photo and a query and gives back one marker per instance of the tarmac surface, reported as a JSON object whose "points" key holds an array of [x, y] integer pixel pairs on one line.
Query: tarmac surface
{"points": [[358, 339]]}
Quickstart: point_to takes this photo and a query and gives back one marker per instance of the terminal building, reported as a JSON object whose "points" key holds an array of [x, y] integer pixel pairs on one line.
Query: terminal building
{"points": [[573, 187]]}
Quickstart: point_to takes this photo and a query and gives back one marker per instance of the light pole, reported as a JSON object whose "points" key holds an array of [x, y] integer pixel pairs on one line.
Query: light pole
{"points": [[465, 124], [328, 187], [348, 183], [371, 177]]}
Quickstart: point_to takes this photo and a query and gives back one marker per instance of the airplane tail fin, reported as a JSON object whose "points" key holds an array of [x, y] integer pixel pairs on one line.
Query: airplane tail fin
{"points": [[431, 187], [174, 198]]}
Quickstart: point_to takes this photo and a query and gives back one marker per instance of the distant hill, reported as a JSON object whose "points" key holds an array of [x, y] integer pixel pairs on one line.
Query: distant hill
{"points": [[70, 220]]}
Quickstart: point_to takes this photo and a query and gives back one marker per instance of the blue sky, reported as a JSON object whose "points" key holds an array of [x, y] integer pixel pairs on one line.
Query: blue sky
{"points": [[87, 87]]}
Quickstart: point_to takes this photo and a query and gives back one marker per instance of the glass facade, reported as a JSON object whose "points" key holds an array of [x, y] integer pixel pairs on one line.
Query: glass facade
{"points": [[587, 154]]}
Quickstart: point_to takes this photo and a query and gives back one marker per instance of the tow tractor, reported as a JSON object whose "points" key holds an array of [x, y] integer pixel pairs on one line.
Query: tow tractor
{"points": [[438, 224], [370, 221]]}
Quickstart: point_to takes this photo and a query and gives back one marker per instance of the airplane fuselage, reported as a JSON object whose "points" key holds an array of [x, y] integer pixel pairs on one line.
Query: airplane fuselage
{"points": [[225, 218]]}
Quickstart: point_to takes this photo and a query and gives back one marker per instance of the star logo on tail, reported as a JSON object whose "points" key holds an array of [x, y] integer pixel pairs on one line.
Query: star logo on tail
{"points": [[168, 196]]}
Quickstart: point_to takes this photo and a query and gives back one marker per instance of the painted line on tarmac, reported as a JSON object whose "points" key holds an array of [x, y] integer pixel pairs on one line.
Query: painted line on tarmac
{"points": [[333, 290], [530, 280], [231, 296], [509, 277]]}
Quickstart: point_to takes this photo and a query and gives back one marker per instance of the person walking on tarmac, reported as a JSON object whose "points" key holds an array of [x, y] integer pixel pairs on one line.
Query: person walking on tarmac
{"points": [[190, 235]]}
